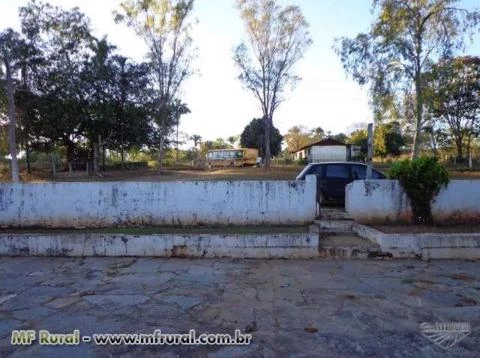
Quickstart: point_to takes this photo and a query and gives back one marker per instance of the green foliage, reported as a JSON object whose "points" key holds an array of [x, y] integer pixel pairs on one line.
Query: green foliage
{"points": [[454, 99], [302, 162], [341, 137], [404, 39], [388, 139], [165, 26], [298, 137], [360, 138], [421, 178], [253, 133]]}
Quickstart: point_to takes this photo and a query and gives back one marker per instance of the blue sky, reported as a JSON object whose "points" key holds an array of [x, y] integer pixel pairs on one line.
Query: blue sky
{"points": [[220, 106]]}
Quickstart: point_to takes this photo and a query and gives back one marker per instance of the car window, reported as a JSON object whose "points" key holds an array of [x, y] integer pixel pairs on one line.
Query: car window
{"points": [[359, 172], [338, 171], [315, 169]]}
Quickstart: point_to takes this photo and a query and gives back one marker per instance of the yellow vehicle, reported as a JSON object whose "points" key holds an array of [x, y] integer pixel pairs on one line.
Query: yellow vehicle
{"points": [[232, 157]]}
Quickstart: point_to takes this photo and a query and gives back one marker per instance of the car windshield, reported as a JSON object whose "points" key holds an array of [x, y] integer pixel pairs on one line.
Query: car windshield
{"points": [[302, 174]]}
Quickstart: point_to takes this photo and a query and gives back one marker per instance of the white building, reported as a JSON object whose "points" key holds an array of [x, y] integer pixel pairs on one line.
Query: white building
{"points": [[327, 150]]}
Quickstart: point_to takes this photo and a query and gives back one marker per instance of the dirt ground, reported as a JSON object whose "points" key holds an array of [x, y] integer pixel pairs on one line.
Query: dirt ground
{"points": [[247, 173]]}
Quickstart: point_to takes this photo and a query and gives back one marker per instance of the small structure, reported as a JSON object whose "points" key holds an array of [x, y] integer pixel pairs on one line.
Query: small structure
{"points": [[231, 157], [328, 149]]}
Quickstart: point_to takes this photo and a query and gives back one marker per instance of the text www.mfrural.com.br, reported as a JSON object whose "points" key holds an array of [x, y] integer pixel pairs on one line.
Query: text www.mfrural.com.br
{"points": [[44, 337]]}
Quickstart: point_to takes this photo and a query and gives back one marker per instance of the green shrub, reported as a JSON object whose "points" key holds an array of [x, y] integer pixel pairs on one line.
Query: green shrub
{"points": [[303, 161], [421, 178]]}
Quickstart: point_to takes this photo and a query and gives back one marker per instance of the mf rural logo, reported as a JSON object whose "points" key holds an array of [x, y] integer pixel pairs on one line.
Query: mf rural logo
{"points": [[445, 335]]}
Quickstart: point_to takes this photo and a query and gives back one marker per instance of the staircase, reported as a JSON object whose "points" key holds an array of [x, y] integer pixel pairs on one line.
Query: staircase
{"points": [[338, 240]]}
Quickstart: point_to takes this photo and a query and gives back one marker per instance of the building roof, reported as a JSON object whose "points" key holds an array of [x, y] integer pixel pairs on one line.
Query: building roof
{"points": [[323, 142]]}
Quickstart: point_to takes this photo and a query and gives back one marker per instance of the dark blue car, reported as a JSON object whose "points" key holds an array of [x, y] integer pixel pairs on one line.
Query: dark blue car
{"points": [[332, 177]]}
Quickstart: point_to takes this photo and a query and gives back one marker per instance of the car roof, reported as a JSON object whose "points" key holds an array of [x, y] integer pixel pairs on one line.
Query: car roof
{"points": [[322, 163]]}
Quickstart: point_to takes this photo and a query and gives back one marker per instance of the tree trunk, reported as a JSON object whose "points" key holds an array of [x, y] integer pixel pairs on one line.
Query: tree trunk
{"points": [[469, 150], [95, 158], [104, 154], [27, 157], [434, 144], [459, 145], [54, 167], [122, 150], [266, 139], [12, 121], [176, 157], [419, 117], [160, 151]]}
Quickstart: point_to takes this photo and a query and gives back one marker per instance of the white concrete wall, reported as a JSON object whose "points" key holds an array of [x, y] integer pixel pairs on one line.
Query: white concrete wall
{"points": [[293, 245], [328, 152], [384, 201], [169, 203]]}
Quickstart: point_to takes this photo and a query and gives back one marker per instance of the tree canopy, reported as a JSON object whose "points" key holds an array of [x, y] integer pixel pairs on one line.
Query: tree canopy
{"points": [[252, 137], [454, 99], [165, 27], [402, 44]]}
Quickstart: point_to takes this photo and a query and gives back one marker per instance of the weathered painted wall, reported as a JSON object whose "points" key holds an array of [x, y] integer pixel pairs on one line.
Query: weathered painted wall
{"points": [[168, 203], [293, 245], [328, 152], [425, 246], [384, 201]]}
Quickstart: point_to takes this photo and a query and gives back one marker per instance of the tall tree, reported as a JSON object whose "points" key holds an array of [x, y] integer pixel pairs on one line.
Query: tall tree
{"points": [[277, 39], [131, 122], [9, 51], [404, 40], [454, 100], [359, 138], [196, 139], [233, 139], [59, 41], [317, 134], [164, 26], [252, 137], [388, 139], [298, 137], [98, 76]]}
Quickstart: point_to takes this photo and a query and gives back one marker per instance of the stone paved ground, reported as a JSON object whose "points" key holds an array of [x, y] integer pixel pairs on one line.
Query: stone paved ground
{"points": [[292, 308]]}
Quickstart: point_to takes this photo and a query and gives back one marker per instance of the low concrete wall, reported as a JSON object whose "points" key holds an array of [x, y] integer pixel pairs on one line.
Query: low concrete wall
{"points": [[424, 246], [384, 201], [80, 205], [291, 246]]}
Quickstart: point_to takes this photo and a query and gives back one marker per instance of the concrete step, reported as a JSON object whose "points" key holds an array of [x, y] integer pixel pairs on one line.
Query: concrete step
{"points": [[327, 213], [335, 225], [348, 247]]}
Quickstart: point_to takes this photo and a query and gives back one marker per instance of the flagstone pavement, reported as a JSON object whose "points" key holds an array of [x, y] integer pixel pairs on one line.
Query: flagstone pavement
{"points": [[302, 308]]}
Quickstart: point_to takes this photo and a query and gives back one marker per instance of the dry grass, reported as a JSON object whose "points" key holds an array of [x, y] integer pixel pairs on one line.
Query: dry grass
{"points": [[247, 173]]}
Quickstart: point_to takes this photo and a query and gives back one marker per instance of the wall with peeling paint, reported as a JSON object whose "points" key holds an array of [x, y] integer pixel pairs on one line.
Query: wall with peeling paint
{"points": [[293, 245], [80, 205], [384, 201]]}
